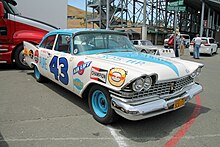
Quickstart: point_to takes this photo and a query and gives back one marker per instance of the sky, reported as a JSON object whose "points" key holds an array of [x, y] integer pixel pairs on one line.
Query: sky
{"points": [[77, 3]]}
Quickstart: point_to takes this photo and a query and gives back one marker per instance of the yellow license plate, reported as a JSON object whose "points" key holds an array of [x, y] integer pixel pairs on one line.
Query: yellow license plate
{"points": [[179, 103]]}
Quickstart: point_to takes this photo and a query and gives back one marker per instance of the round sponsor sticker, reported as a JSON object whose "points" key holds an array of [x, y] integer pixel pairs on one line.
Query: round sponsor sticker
{"points": [[75, 51], [117, 77]]}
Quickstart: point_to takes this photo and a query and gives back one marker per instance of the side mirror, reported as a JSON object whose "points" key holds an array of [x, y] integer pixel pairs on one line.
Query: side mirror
{"points": [[1, 10]]}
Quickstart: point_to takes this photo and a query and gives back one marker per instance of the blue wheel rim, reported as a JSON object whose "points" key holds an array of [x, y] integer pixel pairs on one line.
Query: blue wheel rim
{"points": [[37, 73], [99, 103]]}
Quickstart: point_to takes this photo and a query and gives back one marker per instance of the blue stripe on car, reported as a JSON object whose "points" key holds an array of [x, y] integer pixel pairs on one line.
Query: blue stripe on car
{"points": [[147, 58]]}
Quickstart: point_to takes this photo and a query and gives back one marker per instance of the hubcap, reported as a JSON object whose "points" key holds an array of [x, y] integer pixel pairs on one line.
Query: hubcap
{"points": [[99, 103], [21, 58]]}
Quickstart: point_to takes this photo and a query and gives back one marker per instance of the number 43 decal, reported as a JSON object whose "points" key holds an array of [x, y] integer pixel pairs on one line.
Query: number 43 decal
{"points": [[63, 77]]}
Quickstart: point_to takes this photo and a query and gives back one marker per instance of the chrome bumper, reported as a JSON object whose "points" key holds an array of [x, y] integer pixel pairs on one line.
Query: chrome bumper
{"points": [[148, 109]]}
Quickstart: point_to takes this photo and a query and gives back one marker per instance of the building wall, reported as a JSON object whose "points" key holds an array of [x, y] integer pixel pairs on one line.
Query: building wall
{"points": [[53, 12]]}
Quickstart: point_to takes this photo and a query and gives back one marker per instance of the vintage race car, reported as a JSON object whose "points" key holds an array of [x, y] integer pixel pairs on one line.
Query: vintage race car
{"points": [[104, 67]]}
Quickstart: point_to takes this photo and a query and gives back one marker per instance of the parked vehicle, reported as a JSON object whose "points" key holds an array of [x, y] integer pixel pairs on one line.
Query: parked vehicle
{"points": [[104, 67], [208, 46], [169, 44], [14, 29], [145, 46]]}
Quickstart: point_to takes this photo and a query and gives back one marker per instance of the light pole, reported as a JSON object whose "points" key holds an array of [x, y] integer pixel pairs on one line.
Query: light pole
{"points": [[144, 27]]}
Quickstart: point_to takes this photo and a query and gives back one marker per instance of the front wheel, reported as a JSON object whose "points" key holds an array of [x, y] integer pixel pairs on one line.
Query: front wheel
{"points": [[100, 105], [19, 58]]}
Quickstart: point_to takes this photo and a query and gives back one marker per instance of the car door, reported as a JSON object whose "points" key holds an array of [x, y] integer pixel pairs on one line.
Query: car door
{"points": [[45, 54], [61, 59]]}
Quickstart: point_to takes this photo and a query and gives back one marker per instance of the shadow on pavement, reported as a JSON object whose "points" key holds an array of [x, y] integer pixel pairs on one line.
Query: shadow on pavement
{"points": [[4, 67], [157, 127], [70, 96], [3, 143]]}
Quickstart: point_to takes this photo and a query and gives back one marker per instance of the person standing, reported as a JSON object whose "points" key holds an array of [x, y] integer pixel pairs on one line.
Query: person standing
{"points": [[197, 45], [177, 45], [182, 46]]}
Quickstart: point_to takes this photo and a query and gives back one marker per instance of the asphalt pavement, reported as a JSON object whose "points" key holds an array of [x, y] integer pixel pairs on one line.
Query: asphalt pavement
{"points": [[47, 115]]}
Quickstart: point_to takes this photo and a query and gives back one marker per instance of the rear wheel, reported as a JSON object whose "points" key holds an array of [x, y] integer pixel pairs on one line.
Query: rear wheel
{"points": [[100, 105], [38, 76], [19, 58]]}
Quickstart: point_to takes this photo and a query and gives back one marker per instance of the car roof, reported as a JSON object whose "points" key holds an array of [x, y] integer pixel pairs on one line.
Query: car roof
{"points": [[82, 30]]}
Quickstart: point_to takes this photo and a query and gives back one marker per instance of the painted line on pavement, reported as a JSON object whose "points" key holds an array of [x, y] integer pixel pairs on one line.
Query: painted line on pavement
{"points": [[119, 139], [182, 131]]}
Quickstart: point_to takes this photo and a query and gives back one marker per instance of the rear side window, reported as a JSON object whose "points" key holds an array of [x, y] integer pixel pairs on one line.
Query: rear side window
{"points": [[204, 41], [48, 42], [135, 42], [211, 41]]}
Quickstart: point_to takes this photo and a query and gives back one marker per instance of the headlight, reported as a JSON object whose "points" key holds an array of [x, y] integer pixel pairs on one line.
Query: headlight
{"points": [[142, 83], [147, 83], [138, 85], [196, 72]]}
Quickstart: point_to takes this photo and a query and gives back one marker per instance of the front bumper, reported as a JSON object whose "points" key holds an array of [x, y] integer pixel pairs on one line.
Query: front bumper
{"points": [[152, 108]]}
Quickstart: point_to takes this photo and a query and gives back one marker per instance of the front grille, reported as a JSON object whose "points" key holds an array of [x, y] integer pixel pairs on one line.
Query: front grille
{"points": [[164, 88]]}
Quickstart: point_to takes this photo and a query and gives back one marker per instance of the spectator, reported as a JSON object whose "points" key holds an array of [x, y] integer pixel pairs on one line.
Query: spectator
{"points": [[178, 41], [182, 46], [197, 45]]}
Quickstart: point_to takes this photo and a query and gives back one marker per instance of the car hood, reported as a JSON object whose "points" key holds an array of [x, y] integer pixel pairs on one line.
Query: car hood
{"points": [[138, 64]]}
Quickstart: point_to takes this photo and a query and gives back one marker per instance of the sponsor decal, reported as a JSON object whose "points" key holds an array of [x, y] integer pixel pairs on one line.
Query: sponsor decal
{"points": [[98, 74], [78, 84], [71, 59], [139, 59], [43, 63], [36, 56], [75, 51], [25, 51], [31, 54], [81, 66], [116, 77], [44, 51]]}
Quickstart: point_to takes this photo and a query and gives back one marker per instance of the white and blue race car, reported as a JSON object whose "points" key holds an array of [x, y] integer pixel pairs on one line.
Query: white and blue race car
{"points": [[104, 67]]}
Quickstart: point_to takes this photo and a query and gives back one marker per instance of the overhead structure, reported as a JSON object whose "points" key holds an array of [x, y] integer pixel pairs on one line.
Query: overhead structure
{"points": [[113, 14], [129, 13]]}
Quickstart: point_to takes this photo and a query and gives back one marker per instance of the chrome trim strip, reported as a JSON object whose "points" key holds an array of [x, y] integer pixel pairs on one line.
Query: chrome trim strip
{"points": [[3, 50], [3, 61]]}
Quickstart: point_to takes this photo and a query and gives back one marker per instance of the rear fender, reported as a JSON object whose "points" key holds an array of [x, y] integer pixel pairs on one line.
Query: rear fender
{"points": [[31, 53]]}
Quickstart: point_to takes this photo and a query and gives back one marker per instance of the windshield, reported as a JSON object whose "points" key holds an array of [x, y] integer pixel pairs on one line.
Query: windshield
{"points": [[95, 43], [146, 43]]}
